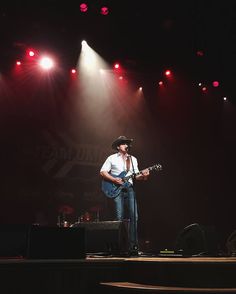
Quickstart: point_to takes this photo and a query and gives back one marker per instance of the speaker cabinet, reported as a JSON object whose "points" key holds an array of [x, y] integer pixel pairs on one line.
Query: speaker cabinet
{"points": [[106, 237], [197, 240], [13, 240], [56, 243]]}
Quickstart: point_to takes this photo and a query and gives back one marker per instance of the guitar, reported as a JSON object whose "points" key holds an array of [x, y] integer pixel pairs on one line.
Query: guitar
{"points": [[112, 190]]}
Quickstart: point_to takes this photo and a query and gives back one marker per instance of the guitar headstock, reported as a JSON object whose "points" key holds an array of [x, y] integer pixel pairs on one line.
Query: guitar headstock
{"points": [[156, 167]]}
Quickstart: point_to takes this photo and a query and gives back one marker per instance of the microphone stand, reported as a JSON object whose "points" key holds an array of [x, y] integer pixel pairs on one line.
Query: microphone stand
{"points": [[135, 248]]}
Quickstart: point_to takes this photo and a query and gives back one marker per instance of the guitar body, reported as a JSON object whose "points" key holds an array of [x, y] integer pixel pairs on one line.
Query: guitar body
{"points": [[112, 190]]}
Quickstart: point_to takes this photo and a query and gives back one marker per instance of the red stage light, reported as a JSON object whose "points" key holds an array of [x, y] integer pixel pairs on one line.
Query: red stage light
{"points": [[83, 7], [160, 83], [104, 10], [168, 73], [204, 89], [18, 62], [73, 71], [31, 53], [215, 84], [200, 53], [116, 66]]}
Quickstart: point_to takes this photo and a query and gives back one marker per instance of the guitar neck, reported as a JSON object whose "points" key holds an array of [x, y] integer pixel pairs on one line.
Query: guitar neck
{"points": [[132, 176], [137, 174]]}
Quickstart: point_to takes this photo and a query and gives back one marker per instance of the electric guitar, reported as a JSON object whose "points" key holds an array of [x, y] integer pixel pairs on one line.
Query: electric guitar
{"points": [[112, 190]]}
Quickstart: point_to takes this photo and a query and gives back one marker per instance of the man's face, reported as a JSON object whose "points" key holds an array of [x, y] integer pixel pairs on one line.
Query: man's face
{"points": [[123, 147]]}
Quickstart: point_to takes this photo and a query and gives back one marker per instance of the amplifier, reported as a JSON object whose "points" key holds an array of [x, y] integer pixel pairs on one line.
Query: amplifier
{"points": [[106, 237]]}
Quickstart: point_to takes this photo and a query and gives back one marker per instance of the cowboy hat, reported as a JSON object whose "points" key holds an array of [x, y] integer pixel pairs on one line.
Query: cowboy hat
{"points": [[121, 140]]}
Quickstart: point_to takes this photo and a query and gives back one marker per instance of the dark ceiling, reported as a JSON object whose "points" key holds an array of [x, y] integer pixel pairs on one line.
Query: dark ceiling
{"points": [[144, 36]]}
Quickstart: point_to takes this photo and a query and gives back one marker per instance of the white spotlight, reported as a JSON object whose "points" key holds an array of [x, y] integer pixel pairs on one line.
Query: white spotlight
{"points": [[46, 63], [84, 43]]}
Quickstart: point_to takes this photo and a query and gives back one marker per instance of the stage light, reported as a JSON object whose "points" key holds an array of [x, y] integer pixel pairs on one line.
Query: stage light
{"points": [[116, 65], [120, 78], [83, 7], [84, 44], [199, 84], [73, 71], [204, 89], [30, 53], [46, 63], [104, 10], [140, 88], [215, 84], [168, 73], [160, 83], [200, 53], [18, 62], [225, 98]]}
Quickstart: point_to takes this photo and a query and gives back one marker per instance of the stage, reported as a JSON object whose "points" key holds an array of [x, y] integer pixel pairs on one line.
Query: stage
{"points": [[110, 274]]}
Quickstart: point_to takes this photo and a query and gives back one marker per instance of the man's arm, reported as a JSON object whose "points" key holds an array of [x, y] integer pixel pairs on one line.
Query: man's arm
{"points": [[143, 176], [109, 177], [104, 172]]}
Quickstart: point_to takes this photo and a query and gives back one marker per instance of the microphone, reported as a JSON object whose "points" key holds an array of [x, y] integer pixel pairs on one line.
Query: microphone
{"points": [[128, 147]]}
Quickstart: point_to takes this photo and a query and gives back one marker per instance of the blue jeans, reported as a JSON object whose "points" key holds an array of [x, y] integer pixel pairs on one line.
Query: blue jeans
{"points": [[126, 208]]}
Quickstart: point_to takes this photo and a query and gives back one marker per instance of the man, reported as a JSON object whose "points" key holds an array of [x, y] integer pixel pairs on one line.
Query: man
{"points": [[115, 164]]}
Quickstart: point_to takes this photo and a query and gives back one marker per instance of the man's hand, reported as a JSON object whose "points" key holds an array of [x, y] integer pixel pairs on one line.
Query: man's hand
{"points": [[145, 172], [107, 176], [117, 181], [143, 175]]}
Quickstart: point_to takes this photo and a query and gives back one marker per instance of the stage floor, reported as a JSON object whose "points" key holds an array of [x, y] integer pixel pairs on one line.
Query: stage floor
{"points": [[109, 274]]}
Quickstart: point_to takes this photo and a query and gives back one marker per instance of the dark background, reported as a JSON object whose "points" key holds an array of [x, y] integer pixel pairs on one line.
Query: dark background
{"points": [[191, 133]]}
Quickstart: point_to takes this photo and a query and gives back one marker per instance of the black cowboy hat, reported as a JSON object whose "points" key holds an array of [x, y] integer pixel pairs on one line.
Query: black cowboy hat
{"points": [[121, 140]]}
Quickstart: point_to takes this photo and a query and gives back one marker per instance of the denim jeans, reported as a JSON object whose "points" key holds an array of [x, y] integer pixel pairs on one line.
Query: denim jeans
{"points": [[126, 208]]}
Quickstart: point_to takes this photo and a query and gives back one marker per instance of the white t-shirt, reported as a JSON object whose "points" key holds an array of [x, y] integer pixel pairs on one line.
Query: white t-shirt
{"points": [[116, 164]]}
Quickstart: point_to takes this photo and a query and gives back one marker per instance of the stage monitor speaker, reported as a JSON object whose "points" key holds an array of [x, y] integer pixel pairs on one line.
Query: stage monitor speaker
{"points": [[197, 240], [13, 240], [106, 237], [56, 243], [231, 244]]}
